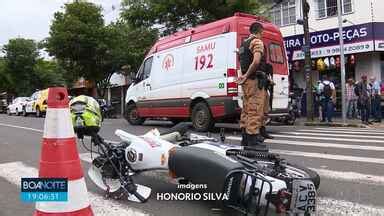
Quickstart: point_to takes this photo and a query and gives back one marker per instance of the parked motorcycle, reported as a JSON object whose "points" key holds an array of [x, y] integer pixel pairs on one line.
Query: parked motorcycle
{"points": [[253, 181], [107, 110]]}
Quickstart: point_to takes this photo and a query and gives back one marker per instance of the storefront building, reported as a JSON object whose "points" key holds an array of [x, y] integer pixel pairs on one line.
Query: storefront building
{"points": [[363, 35]]}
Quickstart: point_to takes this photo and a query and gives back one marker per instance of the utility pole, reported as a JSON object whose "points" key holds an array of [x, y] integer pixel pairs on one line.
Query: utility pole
{"points": [[307, 61], [342, 61]]}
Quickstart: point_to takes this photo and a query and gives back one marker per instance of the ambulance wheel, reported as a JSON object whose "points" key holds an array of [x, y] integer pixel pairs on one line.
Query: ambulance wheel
{"points": [[202, 119], [132, 115]]}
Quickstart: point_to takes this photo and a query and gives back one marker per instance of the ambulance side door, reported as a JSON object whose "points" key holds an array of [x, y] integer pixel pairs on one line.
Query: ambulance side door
{"points": [[143, 81], [277, 58]]}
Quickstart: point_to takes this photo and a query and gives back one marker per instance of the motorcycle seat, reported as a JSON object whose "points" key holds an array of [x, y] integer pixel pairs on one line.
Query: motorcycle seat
{"points": [[202, 166]]}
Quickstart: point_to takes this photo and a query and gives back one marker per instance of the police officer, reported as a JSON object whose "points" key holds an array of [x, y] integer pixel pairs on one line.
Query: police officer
{"points": [[254, 81]]}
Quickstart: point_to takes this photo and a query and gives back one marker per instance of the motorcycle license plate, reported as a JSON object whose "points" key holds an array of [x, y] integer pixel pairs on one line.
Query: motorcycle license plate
{"points": [[303, 197]]}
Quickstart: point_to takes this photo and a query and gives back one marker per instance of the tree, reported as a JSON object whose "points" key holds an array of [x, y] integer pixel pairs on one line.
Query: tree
{"points": [[86, 47], [178, 14], [78, 40], [22, 70], [128, 44], [20, 57], [49, 73], [5, 78]]}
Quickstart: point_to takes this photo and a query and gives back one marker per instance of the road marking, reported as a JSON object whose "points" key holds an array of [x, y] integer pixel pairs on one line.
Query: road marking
{"points": [[335, 135], [14, 171], [349, 176], [329, 156], [342, 132], [351, 129], [317, 144], [322, 156], [20, 127], [332, 207], [326, 145], [327, 138]]}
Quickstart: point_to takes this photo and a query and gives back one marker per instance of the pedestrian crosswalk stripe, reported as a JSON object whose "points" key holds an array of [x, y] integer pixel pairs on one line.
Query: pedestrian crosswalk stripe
{"points": [[333, 207], [14, 171], [325, 145], [317, 144], [342, 132], [335, 135], [351, 129], [326, 138], [349, 176], [329, 156]]}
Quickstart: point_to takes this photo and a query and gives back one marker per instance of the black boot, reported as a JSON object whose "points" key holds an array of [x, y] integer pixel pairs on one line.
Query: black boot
{"points": [[244, 137], [254, 141], [264, 133]]}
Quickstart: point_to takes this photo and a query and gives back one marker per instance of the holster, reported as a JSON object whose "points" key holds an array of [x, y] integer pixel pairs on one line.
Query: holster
{"points": [[262, 80]]}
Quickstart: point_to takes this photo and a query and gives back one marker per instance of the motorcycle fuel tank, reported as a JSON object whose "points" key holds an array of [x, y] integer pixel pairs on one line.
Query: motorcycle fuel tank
{"points": [[146, 152]]}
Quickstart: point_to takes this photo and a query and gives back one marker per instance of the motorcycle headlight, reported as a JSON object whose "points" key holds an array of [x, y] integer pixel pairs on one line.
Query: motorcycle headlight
{"points": [[78, 108]]}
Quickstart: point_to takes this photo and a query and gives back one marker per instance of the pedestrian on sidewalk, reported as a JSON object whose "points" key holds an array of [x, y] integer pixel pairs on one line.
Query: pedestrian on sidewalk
{"points": [[328, 98], [319, 99], [363, 92], [351, 98], [375, 99]]}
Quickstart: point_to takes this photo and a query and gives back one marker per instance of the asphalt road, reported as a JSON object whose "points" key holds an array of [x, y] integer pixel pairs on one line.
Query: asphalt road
{"points": [[350, 162]]}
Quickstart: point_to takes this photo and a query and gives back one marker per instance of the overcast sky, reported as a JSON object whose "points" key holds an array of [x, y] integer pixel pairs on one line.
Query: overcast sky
{"points": [[32, 18]]}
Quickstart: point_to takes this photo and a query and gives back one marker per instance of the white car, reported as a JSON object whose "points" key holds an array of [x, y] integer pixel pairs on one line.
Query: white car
{"points": [[16, 107], [29, 106]]}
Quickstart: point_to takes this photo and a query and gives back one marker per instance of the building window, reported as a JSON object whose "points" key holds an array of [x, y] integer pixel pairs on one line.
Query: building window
{"points": [[328, 8], [284, 14]]}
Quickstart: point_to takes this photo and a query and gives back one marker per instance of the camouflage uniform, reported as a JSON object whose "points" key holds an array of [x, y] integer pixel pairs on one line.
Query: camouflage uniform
{"points": [[254, 107], [255, 100]]}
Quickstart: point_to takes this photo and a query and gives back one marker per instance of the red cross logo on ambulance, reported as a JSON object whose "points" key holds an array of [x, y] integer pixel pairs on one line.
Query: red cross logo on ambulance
{"points": [[168, 62]]}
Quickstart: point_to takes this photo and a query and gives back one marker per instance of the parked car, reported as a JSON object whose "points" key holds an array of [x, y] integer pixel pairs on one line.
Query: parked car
{"points": [[37, 103], [16, 107], [192, 74]]}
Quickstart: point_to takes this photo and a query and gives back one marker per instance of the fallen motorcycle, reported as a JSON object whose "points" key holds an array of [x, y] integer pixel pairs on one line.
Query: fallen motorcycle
{"points": [[253, 181]]}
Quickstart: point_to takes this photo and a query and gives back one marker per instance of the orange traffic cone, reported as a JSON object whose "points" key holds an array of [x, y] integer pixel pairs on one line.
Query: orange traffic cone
{"points": [[60, 158]]}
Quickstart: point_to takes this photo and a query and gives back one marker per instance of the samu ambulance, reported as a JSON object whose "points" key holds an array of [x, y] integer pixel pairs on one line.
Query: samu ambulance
{"points": [[191, 74]]}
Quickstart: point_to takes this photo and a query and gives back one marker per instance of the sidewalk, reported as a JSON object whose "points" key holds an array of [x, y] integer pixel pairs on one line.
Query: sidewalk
{"points": [[338, 122]]}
